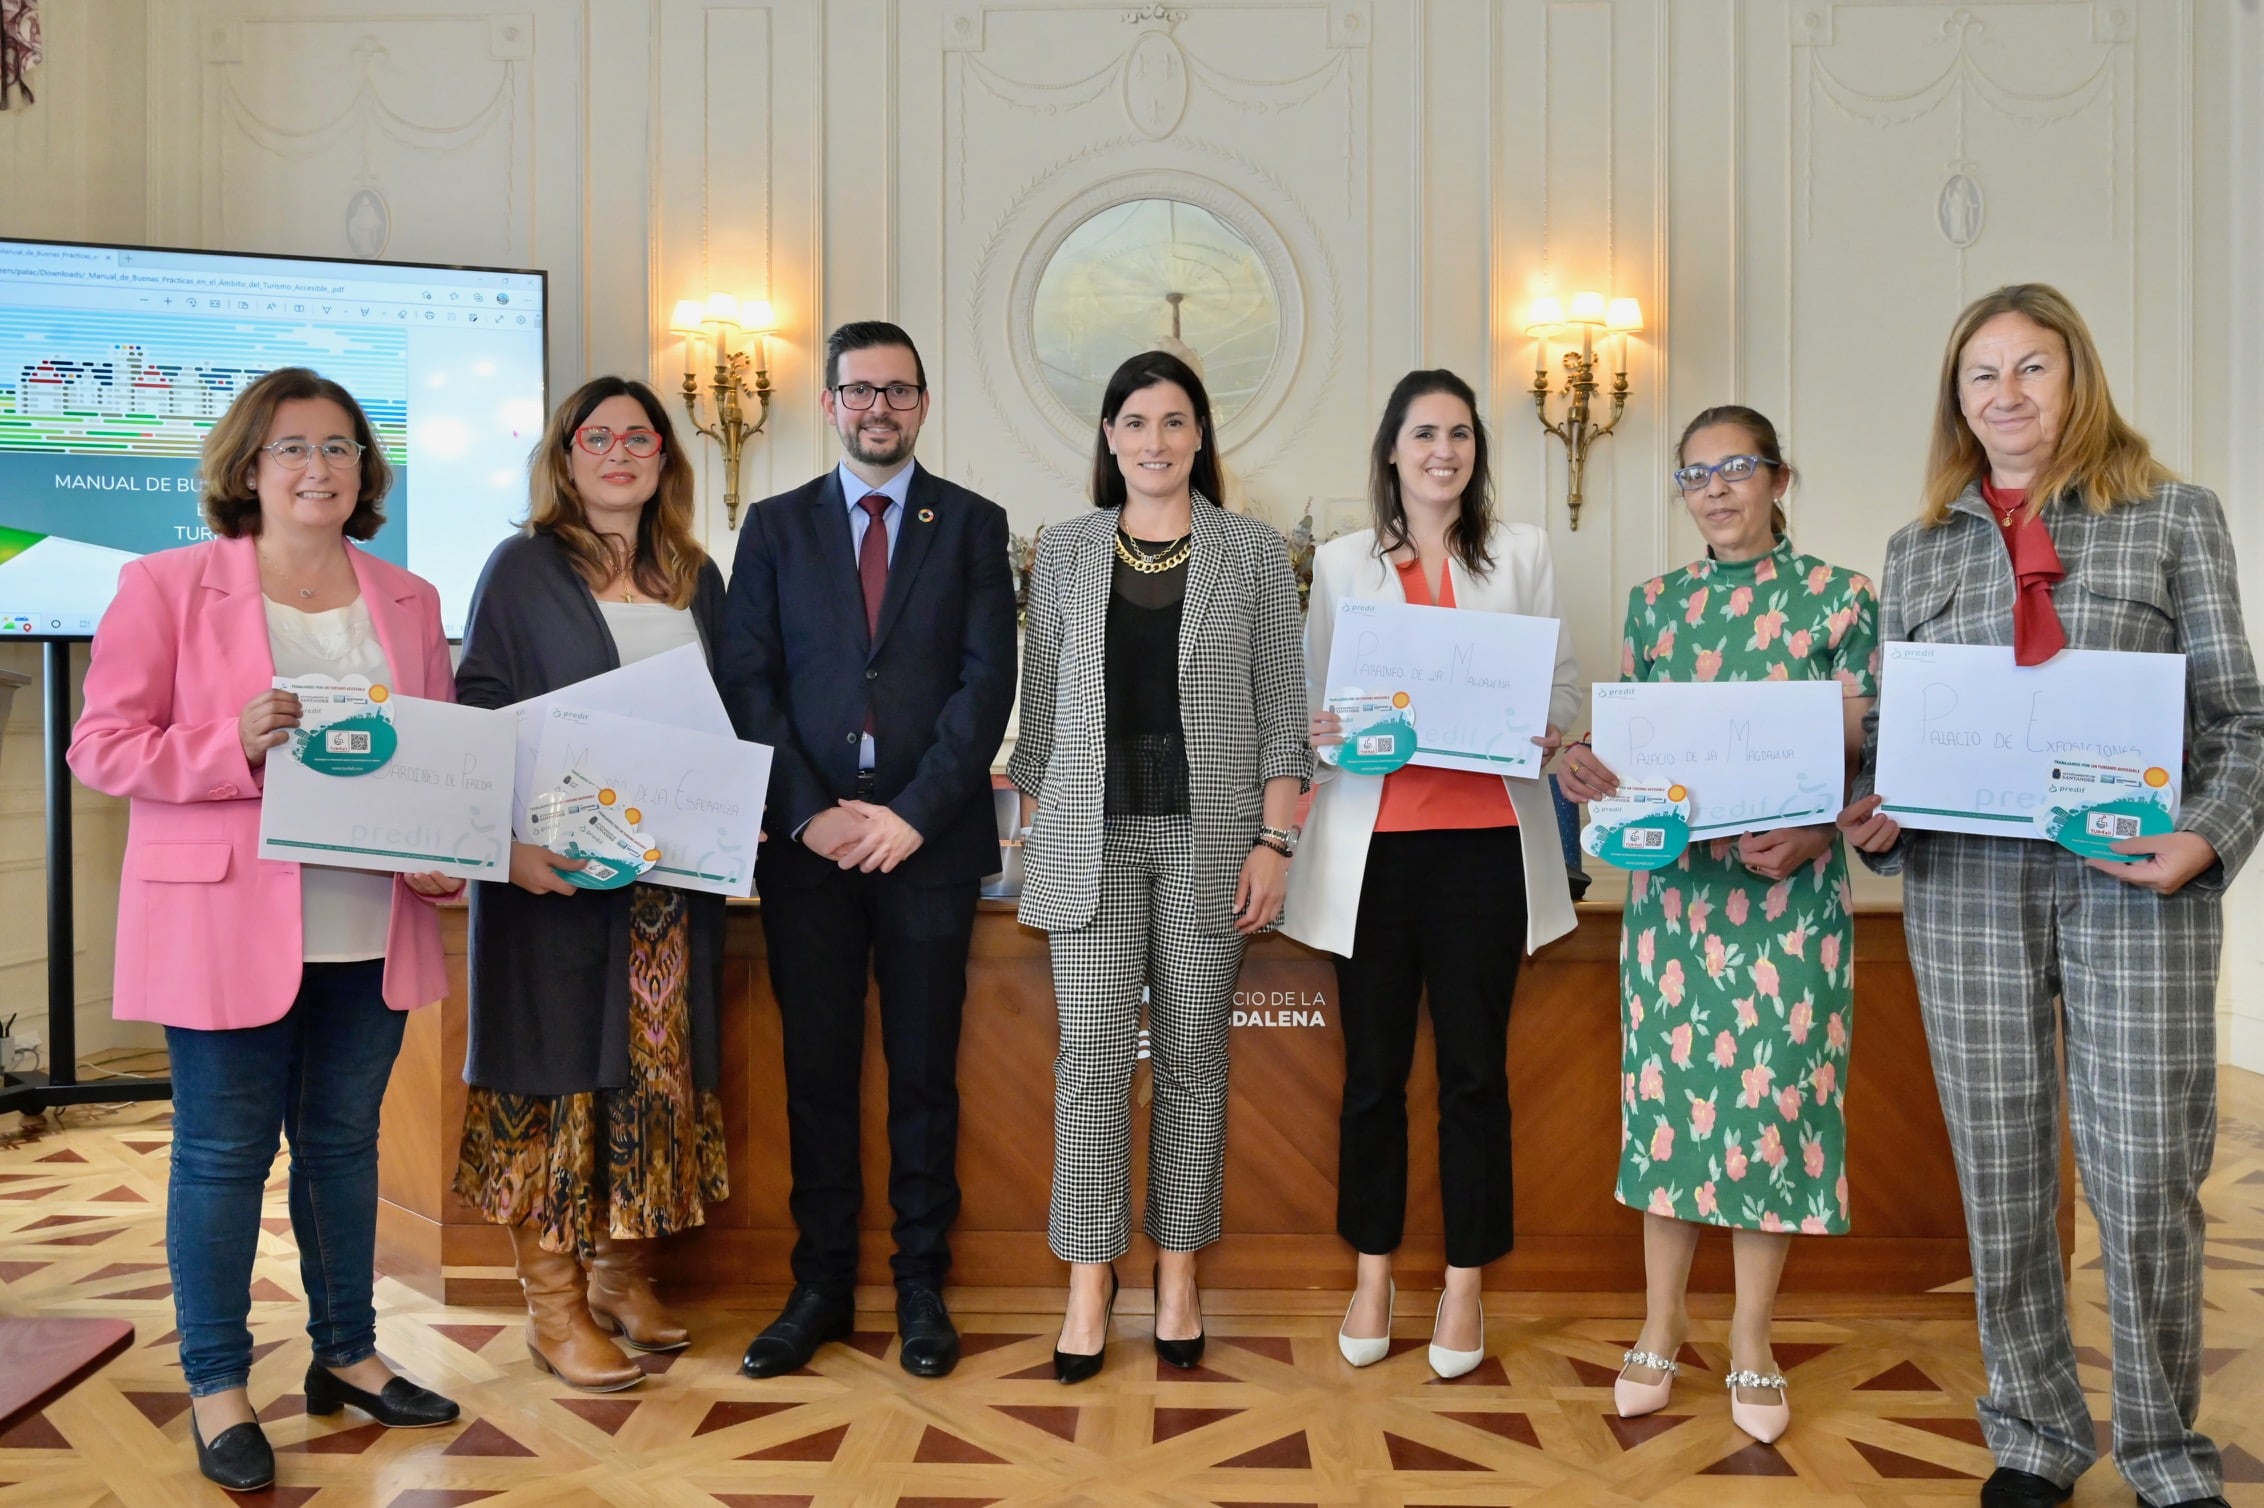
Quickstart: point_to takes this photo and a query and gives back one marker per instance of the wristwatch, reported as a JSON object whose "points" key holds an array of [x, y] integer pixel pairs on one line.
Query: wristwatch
{"points": [[1282, 840]]}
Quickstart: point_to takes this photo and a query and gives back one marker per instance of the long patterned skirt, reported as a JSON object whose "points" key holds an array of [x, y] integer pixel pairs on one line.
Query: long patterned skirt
{"points": [[633, 1163]]}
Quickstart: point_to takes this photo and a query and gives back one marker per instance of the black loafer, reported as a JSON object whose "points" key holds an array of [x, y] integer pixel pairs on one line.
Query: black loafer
{"points": [[402, 1405], [809, 1320], [239, 1459], [2007, 1488], [931, 1342], [2215, 1502]]}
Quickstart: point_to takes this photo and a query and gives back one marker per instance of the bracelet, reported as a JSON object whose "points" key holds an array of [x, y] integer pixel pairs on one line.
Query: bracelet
{"points": [[1277, 846], [1283, 838]]}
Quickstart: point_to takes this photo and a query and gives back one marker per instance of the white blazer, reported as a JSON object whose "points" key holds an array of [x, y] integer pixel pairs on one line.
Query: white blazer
{"points": [[1332, 857]]}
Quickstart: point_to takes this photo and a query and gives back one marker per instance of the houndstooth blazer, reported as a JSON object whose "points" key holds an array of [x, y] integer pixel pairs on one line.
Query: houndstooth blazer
{"points": [[1241, 698], [2155, 576]]}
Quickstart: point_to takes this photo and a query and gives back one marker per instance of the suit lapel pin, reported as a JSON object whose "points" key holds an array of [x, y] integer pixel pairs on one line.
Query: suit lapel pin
{"points": [[927, 515]]}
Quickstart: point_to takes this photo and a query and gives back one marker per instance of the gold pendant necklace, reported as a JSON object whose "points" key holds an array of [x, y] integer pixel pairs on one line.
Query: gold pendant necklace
{"points": [[1172, 559]]}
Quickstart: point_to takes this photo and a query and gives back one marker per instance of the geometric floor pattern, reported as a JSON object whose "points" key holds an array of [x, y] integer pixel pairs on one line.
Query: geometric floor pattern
{"points": [[1881, 1389]]}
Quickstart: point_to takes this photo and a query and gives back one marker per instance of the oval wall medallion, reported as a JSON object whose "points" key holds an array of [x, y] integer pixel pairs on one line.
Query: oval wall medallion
{"points": [[369, 223], [1959, 210], [1155, 85]]}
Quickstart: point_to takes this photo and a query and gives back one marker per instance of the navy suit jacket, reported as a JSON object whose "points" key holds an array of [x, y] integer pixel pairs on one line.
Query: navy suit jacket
{"points": [[800, 672]]}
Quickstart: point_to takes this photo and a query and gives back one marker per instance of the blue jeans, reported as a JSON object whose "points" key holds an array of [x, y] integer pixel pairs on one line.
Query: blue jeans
{"points": [[320, 1075]]}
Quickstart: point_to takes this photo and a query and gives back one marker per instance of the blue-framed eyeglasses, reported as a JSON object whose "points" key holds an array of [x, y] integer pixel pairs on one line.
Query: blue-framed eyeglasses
{"points": [[1729, 468]]}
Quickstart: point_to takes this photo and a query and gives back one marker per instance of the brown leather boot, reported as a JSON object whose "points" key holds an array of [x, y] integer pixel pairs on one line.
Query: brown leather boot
{"points": [[560, 1336], [622, 1301]]}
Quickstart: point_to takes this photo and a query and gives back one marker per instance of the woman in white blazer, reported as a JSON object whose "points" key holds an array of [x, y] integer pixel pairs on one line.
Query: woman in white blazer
{"points": [[1418, 881]]}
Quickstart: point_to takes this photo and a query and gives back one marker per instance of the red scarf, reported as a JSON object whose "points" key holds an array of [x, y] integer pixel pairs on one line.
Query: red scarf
{"points": [[2037, 633]]}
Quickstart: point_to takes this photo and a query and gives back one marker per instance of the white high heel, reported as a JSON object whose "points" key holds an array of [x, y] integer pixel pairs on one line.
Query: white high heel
{"points": [[1362, 1351], [1454, 1363]]}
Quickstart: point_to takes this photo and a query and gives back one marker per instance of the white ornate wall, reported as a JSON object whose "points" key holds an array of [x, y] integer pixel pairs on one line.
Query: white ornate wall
{"points": [[1801, 192]]}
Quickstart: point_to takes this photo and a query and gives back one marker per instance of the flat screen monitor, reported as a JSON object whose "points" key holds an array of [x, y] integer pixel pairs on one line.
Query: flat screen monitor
{"points": [[115, 362]]}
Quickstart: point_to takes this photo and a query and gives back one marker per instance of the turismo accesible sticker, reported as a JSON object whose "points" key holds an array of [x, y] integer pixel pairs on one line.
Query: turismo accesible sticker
{"points": [[345, 723], [2088, 808], [584, 820], [1643, 827], [1379, 732]]}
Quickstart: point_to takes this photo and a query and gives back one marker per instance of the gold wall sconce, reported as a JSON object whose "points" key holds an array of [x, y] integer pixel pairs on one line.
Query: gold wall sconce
{"points": [[722, 318], [1578, 429]]}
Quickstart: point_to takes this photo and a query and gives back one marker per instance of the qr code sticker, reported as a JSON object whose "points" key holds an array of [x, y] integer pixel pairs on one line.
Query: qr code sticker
{"points": [[1644, 837], [2111, 825], [1374, 743], [345, 742]]}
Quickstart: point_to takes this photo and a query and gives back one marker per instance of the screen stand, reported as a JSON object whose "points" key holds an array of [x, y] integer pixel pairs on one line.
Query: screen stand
{"points": [[33, 1093]]}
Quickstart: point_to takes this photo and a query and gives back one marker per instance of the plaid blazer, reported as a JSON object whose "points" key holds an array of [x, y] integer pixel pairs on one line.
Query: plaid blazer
{"points": [[2155, 576], [1241, 697]]}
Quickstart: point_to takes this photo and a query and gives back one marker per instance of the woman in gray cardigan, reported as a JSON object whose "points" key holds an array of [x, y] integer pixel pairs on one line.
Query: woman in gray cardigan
{"points": [[592, 1126]]}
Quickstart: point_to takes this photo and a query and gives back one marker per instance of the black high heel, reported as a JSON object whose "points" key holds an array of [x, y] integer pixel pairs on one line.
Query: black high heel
{"points": [[239, 1457], [1072, 1366], [1186, 1355], [403, 1405]]}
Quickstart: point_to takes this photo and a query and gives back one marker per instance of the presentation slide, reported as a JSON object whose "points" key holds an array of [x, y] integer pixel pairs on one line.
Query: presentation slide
{"points": [[115, 363]]}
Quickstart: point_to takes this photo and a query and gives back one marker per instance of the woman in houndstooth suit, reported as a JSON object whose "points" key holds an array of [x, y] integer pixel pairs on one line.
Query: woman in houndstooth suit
{"points": [[2048, 524], [1160, 758]]}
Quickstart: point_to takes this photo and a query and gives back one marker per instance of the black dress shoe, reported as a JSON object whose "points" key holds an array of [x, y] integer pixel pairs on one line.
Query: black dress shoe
{"points": [[809, 1320], [1076, 1366], [2215, 1502], [239, 1459], [931, 1342], [2007, 1488], [403, 1405], [1186, 1355]]}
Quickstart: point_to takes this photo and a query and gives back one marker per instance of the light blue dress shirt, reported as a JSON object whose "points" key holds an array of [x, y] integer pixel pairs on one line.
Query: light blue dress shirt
{"points": [[853, 493]]}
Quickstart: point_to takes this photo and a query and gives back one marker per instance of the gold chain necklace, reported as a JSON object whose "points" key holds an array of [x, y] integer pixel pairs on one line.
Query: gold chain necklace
{"points": [[1153, 565]]}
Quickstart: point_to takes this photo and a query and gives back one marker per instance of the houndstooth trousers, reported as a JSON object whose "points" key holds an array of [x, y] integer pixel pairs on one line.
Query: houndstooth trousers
{"points": [[1999, 927], [1144, 931]]}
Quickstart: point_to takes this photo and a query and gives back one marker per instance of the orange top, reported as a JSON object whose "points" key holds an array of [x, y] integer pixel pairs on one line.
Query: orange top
{"points": [[1418, 798]]}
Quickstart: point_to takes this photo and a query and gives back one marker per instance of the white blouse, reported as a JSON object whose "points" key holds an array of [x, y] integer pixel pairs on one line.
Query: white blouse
{"points": [[643, 629], [344, 912]]}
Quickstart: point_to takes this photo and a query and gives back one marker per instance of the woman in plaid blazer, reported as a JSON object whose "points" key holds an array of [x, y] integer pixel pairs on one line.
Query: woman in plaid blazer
{"points": [[2048, 524], [1161, 753]]}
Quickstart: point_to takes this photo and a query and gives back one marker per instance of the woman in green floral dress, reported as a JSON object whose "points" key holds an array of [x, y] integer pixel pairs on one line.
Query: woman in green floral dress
{"points": [[1736, 962]]}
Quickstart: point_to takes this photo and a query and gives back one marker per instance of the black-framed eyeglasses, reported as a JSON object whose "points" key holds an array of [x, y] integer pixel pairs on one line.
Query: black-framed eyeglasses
{"points": [[1730, 469], [860, 395], [293, 455]]}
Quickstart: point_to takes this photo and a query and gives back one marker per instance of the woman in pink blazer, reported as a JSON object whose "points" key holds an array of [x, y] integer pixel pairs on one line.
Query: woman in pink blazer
{"points": [[281, 986]]}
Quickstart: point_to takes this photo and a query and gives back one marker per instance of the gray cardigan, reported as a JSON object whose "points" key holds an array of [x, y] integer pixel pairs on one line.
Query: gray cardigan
{"points": [[549, 974]]}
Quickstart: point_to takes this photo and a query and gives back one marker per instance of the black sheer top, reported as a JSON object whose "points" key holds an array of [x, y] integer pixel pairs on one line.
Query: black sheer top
{"points": [[1147, 748]]}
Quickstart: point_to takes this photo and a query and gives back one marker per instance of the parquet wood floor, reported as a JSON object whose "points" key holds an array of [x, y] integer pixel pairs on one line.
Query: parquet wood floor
{"points": [[1882, 1390]]}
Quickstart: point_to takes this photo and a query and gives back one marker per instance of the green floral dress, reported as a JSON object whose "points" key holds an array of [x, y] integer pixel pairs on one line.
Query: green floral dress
{"points": [[1737, 994]]}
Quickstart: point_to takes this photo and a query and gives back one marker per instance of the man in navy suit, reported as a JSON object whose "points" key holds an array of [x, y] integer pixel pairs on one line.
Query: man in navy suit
{"points": [[869, 639]]}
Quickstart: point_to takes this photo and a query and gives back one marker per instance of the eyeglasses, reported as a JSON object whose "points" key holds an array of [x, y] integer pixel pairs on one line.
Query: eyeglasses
{"points": [[860, 395], [293, 455], [597, 440], [1729, 468]]}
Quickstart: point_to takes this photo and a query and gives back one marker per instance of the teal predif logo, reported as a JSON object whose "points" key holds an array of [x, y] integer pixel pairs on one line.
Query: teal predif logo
{"points": [[1643, 827], [2088, 808], [1379, 732]]}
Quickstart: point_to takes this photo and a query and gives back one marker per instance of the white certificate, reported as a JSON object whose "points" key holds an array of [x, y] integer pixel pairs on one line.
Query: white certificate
{"points": [[1966, 737], [442, 802], [697, 796], [1478, 683], [673, 689], [1754, 755]]}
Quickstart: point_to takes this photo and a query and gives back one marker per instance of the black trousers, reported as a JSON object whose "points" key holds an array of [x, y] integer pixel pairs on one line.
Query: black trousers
{"points": [[823, 939], [1442, 914]]}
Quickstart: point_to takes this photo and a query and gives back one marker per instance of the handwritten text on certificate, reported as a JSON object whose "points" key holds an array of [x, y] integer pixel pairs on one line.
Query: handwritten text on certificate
{"points": [[1967, 737], [1479, 682], [1755, 755]]}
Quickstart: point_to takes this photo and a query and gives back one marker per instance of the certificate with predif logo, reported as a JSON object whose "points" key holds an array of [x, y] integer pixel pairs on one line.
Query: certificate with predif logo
{"points": [[1970, 742], [1753, 755], [441, 803], [1477, 684]]}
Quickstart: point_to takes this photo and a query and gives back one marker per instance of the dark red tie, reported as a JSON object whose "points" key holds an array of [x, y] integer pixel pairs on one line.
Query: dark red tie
{"points": [[872, 559]]}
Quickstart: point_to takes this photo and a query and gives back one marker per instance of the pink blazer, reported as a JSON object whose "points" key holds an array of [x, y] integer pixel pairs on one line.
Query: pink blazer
{"points": [[208, 932]]}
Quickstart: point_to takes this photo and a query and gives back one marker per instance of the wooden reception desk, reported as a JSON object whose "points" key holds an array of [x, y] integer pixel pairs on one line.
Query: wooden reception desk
{"points": [[1281, 1135]]}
